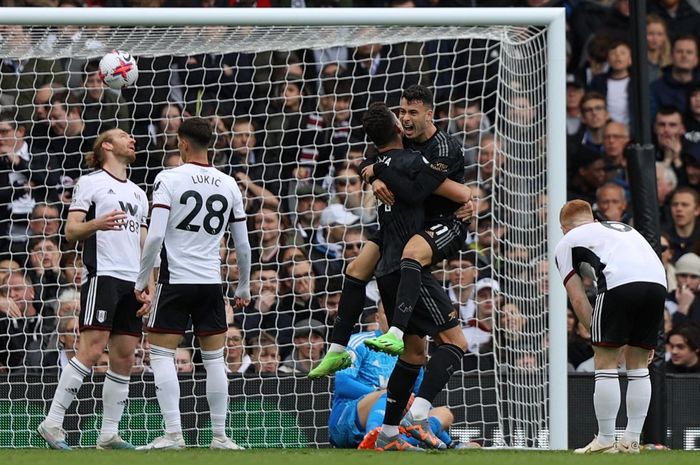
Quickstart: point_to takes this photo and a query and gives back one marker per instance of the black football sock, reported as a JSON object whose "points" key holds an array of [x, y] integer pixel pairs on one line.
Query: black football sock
{"points": [[446, 359], [399, 390], [407, 295], [352, 302]]}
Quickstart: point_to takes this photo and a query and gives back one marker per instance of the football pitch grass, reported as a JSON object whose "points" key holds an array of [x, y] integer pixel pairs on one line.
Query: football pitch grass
{"points": [[335, 457]]}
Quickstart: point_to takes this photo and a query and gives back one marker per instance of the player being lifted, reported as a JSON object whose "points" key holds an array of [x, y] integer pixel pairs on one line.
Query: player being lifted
{"points": [[192, 205], [108, 215], [629, 307], [433, 314], [441, 236]]}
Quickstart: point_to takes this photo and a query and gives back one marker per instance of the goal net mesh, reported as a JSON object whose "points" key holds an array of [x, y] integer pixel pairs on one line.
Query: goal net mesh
{"points": [[286, 104]]}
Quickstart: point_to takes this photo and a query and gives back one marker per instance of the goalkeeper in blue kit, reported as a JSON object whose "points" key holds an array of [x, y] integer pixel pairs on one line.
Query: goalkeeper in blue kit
{"points": [[359, 399]]}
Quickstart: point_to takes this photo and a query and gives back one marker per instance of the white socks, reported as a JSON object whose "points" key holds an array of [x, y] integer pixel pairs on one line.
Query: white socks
{"points": [[638, 396], [606, 401], [396, 332], [336, 348], [217, 390], [68, 386], [167, 387], [420, 408], [114, 393]]}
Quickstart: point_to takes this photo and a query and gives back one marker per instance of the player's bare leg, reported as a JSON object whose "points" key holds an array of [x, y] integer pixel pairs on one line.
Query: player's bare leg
{"points": [[606, 400], [91, 345], [167, 389], [417, 254], [352, 301], [116, 390], [444, 361]]}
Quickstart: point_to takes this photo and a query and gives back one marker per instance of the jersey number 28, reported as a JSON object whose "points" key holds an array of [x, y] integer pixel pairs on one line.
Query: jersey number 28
{"points": [[216, 206]]}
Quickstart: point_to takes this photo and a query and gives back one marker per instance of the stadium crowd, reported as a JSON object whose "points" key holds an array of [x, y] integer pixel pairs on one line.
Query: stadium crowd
{"points": [[287, 129]]}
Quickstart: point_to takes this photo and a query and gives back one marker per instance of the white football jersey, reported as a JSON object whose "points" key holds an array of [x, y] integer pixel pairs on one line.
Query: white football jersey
{"points": [[617, 253], [202, 201], [111, 253]]}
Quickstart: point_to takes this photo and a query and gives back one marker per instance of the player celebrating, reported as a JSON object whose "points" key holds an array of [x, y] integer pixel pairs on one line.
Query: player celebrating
{"points": [[442, 234], [359, 400], [433, 315], [631, 284], [192, 204], [108, 214]]}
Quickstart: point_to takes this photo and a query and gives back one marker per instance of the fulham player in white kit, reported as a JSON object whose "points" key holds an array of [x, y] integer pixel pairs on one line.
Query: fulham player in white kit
{"points": [[192, 206], [631, 285], [108, 215]]}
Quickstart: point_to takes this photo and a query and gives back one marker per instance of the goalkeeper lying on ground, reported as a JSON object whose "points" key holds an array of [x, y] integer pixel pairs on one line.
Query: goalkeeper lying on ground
{"points": [[359, 399]]}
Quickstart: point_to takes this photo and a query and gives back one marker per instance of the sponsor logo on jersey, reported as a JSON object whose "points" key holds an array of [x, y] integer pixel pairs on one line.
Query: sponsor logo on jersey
{"points": [[129, 208], [156, 187], [101, 316], [442, 167]]}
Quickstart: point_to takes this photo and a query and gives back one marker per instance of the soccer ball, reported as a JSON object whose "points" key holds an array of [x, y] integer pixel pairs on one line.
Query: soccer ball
{"points": [[118, 69]]}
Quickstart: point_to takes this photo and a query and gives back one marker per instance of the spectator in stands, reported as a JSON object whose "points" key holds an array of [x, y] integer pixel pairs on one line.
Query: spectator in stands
{"points": [[467, 122], [328, 290], [672, 88], [45, 221], [666, 183], [616, 136], [680, 17], [68, 303], [611, 204], [71, 270], [685, 209], [285, 111], [692, 116], [614, 85], [300, 298], [687, 307], [658, 46], [258, 181], [588, 175], [347, 206], [103, 109], [669, 130], [45, 271], [462, 274], [262, 313], [237, 360], [490, 159], [268, 241], [478, 329], [309, 342], [311, 200], [69, 142], [691, 162], [667, 260], [20, 78], [574, 93], [68, 337], [684, 343], [265, 354], [594, 116], [353, 239], [183, 360], [17, 198], [161, 142], [22, 340]]}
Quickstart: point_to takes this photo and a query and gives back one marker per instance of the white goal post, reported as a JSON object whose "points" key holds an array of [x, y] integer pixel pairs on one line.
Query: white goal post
{"points": [[145, 32]]}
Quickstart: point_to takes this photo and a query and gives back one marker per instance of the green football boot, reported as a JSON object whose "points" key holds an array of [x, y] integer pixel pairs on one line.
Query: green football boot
{"points": [[387, 343], [332, 362]]}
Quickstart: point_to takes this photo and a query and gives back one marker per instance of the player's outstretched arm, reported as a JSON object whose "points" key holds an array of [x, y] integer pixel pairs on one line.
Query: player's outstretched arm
{"points": [[151, 247], [239, 232], [77, 229]]}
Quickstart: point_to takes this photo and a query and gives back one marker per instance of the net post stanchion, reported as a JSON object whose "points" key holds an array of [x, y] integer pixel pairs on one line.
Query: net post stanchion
{"points": [[556, 182]]}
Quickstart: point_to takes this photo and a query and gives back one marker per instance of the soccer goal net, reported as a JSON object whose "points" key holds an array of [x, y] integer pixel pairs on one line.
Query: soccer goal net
{"points": [[285, 92]]}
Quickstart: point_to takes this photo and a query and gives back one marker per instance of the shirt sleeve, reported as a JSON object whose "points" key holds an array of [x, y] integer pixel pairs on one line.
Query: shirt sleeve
{"points": [[237, 209], [447, 161], [144, 211], [162, 197], [564, 260], [82, 196], [412, 190]]}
